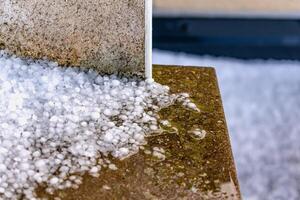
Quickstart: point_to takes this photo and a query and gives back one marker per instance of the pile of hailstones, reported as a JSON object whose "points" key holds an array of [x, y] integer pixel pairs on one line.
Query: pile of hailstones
{"points": [[57, 122]]}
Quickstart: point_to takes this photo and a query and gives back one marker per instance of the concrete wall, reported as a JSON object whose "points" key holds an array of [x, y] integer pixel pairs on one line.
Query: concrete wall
{"points": [[104, 34], [239, 7]]}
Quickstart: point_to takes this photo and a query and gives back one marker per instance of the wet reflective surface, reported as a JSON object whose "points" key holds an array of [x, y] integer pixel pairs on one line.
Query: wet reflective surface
{"points": [[196, 160]]}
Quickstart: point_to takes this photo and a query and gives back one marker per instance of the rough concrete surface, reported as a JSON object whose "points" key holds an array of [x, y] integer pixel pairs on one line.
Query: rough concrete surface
{"points": [[104, 34]]}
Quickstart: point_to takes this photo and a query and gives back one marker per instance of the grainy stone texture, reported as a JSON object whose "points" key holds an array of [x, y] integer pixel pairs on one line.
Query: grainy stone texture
{"points": [[103, 34]]}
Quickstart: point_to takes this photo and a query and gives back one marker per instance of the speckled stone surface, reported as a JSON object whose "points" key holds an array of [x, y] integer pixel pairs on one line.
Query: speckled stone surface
{"points": [[193, 168], [103, 34]]}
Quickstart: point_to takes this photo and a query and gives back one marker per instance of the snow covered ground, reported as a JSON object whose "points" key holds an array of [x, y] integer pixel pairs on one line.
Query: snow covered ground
{"points": [[262, 106]]}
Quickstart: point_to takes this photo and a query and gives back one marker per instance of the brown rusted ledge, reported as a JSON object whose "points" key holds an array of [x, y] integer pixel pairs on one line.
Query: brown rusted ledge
{"points": [[194, 168]]}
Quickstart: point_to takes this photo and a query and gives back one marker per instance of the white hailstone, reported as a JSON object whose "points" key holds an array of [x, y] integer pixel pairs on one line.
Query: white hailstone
{"points": [[7, 143], [78, 181], [56, 122], [193, 107], [22, 121], [26, 134], [4, 125], [54, 181], [114, 92], [54, 119], [24, 166], [112, 167], [115, 83], [50, 190], [153, 127], [123, 117], [95, 115], [110, 124], [94, 170], [40, 163], [36, 154], [123, 151], [84, 124], [2, 167], [8, 194], [107, 112], [108, 137], [72, 178], [138, 137]]}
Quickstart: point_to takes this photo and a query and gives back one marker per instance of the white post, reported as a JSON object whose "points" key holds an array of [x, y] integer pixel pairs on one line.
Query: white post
{"points": [[148, 39]]}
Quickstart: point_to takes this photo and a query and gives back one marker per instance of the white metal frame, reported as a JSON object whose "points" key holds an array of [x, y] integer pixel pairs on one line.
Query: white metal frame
{"points": [[148, 39]]}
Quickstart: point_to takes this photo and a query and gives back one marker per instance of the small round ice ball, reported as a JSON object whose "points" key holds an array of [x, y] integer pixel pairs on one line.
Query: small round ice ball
{"points": [[94, 170], [54, 181], [107, 112], [95, 115], [115, 83]]}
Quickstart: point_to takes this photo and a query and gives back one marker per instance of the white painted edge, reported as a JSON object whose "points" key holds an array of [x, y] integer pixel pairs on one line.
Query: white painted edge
{"points": [[148, 38]]}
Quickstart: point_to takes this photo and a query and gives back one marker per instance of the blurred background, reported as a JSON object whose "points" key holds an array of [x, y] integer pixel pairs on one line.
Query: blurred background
{"points": [[255, 48]]}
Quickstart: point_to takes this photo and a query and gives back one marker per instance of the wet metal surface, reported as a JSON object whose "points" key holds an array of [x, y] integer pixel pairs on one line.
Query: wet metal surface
{"points": [[197, 162]]}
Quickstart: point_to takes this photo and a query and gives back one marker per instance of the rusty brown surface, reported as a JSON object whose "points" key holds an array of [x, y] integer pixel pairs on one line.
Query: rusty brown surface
{"points": [[104, 34], [193, 168]]}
